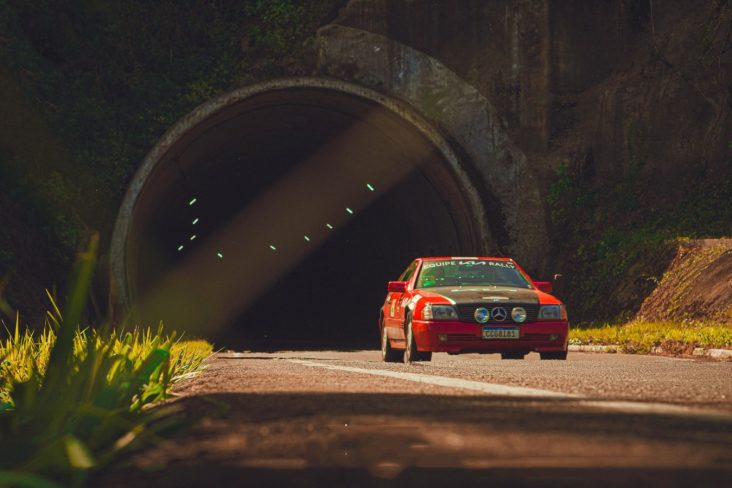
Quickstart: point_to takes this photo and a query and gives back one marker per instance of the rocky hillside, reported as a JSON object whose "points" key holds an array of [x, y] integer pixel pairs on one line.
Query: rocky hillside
{"points": [[696, 286]]}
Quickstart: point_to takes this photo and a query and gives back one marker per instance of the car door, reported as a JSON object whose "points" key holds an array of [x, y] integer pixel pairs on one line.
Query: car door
{"points": [[394, 313]]}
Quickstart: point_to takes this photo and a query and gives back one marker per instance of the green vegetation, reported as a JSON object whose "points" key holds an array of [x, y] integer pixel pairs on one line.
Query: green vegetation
{"points": [[25, 354], [643, 337], [616, 254], [94, 84], [112, 76], [73, 399]]}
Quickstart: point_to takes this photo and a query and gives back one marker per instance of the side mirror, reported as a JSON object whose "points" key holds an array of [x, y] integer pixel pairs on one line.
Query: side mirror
{"points": [[545, 286], [397, 286]]}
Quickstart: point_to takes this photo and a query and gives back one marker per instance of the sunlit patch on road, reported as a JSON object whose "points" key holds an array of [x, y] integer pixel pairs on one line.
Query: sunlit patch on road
{"points": [[487, 388], [502, 390]]}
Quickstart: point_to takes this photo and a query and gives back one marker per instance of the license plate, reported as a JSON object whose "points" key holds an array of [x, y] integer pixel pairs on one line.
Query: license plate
{"points": [[500, 333]]}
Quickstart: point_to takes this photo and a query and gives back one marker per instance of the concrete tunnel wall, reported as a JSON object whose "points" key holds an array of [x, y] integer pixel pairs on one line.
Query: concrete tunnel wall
{"points": [[447, 145], [384, 141]]}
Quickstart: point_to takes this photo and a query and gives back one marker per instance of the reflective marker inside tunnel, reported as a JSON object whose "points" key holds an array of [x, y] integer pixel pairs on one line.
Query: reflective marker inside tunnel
{"points": [[269, 181]]}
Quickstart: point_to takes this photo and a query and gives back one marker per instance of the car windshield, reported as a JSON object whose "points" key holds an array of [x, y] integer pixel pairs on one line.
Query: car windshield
{"points": [[478, 272]]}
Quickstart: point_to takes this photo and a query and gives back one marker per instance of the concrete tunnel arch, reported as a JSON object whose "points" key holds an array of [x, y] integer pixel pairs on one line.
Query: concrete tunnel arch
{"points": [[258, 115]]}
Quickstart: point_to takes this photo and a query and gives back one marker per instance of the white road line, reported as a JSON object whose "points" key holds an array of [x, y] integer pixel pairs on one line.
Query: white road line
{"points": [[490, 388], [631, 407]]}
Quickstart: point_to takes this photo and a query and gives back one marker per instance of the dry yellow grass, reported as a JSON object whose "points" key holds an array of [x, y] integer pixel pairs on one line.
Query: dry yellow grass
{"points": [[641, 336]]}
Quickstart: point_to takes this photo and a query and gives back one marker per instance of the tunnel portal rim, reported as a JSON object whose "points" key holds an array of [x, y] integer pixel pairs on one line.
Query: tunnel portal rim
{"points": [[120, 292]]}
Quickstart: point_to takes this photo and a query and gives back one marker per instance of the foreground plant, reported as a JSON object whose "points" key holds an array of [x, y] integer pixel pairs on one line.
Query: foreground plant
{"points": [[72, 399]]}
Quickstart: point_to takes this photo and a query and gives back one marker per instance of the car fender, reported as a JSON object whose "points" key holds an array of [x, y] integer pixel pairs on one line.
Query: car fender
{"points": [[411, 305]]}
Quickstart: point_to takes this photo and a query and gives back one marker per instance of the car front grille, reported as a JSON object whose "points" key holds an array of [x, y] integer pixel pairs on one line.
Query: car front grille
{"points": [[466, 312]]}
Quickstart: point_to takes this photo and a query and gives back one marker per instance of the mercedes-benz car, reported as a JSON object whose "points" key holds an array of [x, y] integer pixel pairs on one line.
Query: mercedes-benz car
{"points": [[470, 304]]}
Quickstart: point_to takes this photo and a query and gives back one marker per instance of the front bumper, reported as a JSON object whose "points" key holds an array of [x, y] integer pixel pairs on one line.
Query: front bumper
{"points": [[468, 337]]}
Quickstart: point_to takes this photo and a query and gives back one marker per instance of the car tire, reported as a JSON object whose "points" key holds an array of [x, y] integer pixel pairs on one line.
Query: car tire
{"points": [[388, 354], [513, 355], [411, 354], [553, 355]]}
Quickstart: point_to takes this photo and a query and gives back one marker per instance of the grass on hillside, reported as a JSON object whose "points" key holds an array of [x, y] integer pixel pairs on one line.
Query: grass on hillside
{"points": [[642, 337], [74, 399]]}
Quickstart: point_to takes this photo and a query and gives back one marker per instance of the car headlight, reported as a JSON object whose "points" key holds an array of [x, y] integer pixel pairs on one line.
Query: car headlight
{"points": [[518, 314], [439, 312], [552, 312]]}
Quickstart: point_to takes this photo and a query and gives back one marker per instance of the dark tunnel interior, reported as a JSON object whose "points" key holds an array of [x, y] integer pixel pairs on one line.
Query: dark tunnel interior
{"points": [[365, 193]]}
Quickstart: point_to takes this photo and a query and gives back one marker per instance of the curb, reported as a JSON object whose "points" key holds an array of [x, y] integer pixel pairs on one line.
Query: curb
{"points": [[713, 353], [593, 348], [700, 352]]}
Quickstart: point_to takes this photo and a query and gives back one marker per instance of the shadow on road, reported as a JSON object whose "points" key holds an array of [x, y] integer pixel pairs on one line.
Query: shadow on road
{"points": [[434, 477], [361, 439]]}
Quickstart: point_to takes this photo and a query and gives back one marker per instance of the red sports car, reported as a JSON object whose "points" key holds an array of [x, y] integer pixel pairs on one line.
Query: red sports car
{"points": [[474, 304]]}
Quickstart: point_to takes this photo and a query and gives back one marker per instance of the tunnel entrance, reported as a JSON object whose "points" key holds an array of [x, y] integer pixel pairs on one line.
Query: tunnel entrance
{"points": [[274, 219]]}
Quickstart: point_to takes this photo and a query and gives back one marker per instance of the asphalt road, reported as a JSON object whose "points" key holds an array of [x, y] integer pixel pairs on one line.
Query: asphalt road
{"points": [[347, 419]]}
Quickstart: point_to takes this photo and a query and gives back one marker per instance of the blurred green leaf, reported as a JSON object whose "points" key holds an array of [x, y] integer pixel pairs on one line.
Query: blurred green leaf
{"points": [[78, 454], [25, 480]]}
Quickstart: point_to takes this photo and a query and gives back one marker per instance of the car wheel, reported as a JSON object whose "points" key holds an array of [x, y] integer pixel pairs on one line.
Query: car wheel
{"points": [[513, 355], [389, 355], [411, 353], [555, 355]]}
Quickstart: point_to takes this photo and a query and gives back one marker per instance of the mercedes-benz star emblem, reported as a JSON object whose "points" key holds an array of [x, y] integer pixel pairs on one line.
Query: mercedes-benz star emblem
{"points": [[482, 315], [499, 314]]}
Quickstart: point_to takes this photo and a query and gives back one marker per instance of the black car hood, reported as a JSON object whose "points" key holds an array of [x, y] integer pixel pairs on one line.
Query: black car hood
{"points": [[483, 294]]}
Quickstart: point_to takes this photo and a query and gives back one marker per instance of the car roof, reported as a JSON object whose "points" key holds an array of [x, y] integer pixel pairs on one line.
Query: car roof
{"points": [[442, 258]]}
